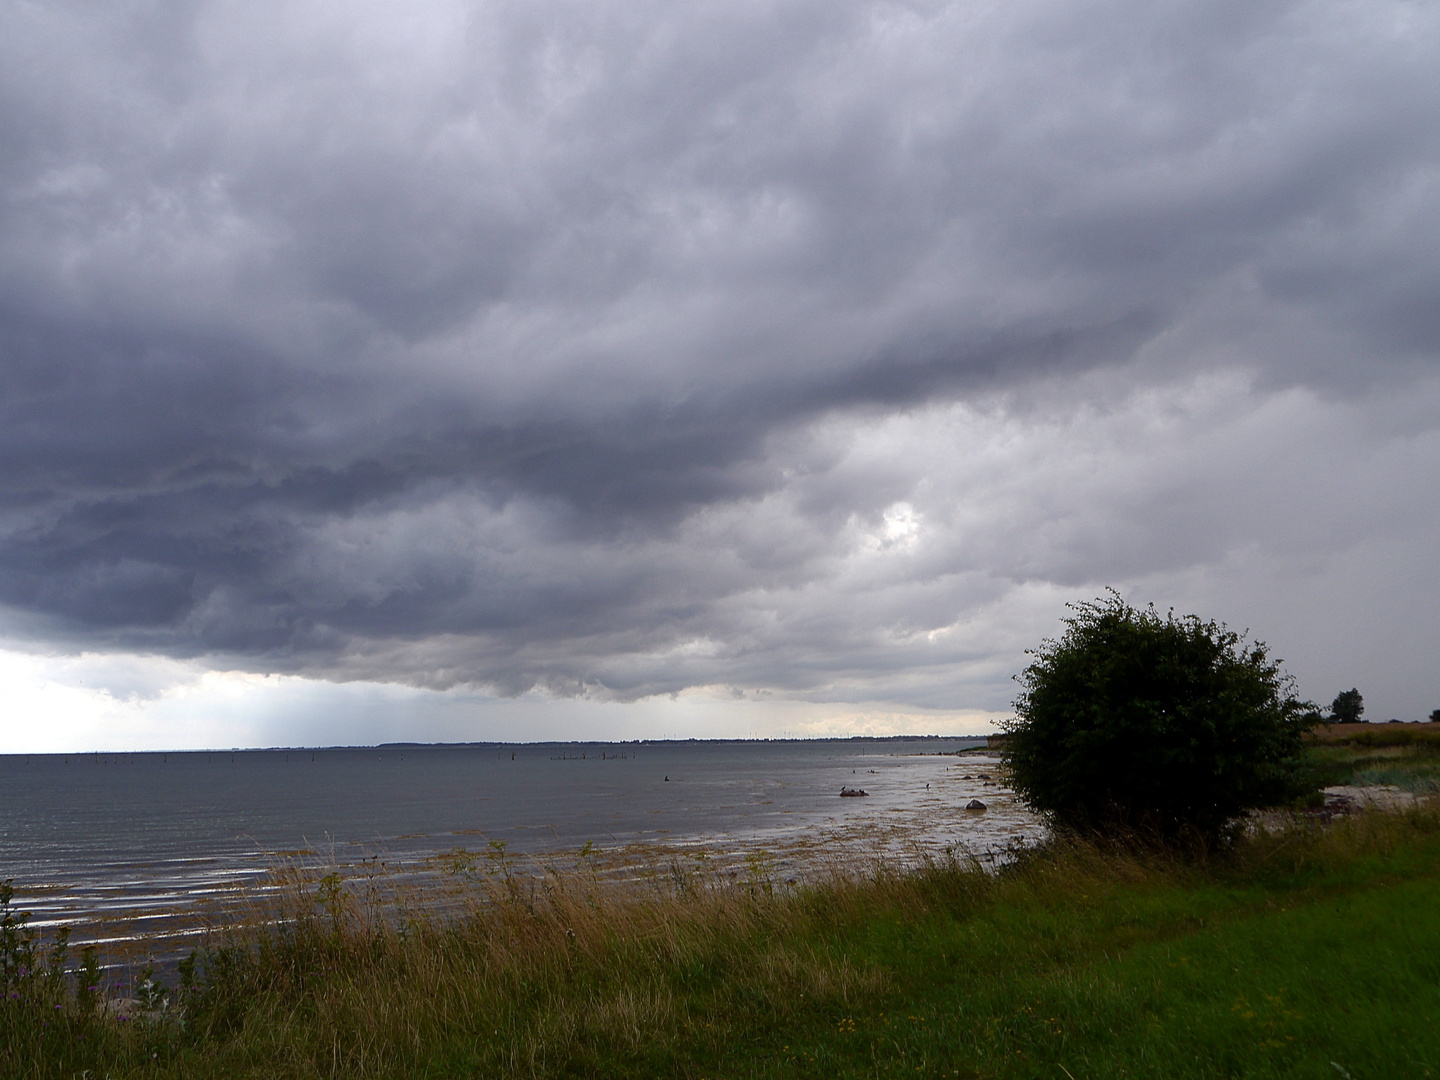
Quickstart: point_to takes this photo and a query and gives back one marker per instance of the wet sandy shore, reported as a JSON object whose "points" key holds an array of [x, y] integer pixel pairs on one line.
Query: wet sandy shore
{"points": [[915, 811]]}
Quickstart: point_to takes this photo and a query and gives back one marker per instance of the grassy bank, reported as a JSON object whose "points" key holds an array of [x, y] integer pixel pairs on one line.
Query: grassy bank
{"points": [[1312, 954], [1406, 756]]}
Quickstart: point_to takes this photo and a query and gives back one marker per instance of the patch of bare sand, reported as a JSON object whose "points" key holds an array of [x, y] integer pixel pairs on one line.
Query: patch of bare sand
{"points": [[1342, 800]]}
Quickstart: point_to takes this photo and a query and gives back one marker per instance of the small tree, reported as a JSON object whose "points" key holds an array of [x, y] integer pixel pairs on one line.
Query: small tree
{"points": [[1167, 724], [1347, 708]]}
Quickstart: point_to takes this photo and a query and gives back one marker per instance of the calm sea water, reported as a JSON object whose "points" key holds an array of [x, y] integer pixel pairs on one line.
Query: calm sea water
{"points": [[153, 835]]}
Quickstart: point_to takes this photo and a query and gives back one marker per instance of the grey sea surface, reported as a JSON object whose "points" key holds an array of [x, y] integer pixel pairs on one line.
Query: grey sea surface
{"points": [[153, 844]]}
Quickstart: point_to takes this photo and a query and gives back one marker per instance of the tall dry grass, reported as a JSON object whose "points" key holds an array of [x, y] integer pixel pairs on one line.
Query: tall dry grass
{"points": [[523, 971], [357, 978], [583, 967]]}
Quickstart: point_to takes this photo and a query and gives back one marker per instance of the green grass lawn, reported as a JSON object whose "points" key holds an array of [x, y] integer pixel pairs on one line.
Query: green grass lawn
{"points": [[1154, 982], [1312, 954]]}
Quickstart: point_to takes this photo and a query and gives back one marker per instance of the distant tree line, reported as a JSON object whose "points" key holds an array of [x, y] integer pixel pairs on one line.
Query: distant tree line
{"points": [[1349, 706]]}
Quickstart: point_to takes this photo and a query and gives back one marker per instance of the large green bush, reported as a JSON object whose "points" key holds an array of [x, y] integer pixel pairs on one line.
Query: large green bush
{"points": [[1163, 725]]}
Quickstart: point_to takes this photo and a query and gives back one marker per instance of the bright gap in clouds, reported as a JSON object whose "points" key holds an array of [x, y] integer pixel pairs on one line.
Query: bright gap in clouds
{"points": [[1300, 517]]}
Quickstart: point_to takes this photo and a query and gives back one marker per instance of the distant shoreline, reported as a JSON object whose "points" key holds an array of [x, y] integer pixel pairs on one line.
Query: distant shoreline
{"points": [[499, 744]]}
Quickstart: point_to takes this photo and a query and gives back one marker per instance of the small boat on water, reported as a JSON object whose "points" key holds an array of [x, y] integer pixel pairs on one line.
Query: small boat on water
{"points": [[852, 793]]}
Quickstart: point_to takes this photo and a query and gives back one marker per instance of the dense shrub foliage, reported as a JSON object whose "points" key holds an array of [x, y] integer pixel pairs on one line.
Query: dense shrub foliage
{"points": [[1159, 724]]}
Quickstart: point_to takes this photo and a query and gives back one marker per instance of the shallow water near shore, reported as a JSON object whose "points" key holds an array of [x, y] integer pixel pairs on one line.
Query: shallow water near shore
{"points": [[131, 846]]}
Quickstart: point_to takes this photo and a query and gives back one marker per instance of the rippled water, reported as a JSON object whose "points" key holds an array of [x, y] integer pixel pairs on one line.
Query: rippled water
{"points": [[161, 839]]}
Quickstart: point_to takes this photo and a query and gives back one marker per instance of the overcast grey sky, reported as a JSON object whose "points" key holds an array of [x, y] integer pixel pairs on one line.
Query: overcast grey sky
{"points": [[630, 368]]}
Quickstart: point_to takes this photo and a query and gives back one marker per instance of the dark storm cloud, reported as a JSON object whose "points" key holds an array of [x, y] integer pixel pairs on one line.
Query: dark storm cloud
{"points": [[518, 343]]}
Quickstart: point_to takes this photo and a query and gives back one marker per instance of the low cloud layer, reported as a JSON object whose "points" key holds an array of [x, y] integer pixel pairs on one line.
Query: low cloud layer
{"points": [[819, 349]]}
